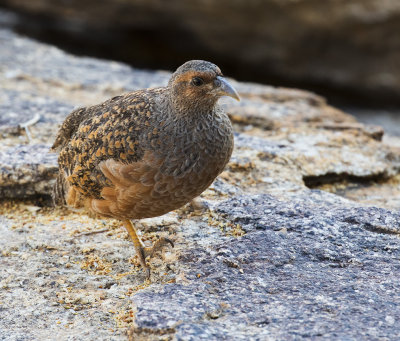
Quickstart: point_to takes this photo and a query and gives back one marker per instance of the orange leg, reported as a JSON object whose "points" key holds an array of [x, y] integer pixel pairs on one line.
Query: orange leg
{"points": [[143, 251]]}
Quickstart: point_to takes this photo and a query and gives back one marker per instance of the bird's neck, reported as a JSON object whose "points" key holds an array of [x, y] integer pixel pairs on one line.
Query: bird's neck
{"points": [[184, 107]]}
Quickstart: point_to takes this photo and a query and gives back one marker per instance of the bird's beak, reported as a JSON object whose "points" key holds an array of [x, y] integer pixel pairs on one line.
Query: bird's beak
{"points": [[224, 88]]}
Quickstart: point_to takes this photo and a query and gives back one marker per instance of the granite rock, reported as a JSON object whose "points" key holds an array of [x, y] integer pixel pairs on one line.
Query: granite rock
{"points": [[306, 267], [273, 256]]}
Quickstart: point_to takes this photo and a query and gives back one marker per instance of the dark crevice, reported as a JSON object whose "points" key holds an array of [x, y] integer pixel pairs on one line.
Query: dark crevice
{"points": [[369, 227], [378, 229], [142, 332], [314, 181], [35, 200], [141, 46]]}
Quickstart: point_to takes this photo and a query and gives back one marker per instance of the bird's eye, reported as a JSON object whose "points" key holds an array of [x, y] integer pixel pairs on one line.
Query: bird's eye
{"points": [[197, 81]]}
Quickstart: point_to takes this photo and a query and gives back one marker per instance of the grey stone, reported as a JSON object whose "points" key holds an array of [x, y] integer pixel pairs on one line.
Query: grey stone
{"points": [[309, 267], [27, 170], [269, 258]]}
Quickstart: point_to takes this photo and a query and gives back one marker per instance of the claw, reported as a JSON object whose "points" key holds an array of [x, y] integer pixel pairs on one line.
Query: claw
{"points": [[147, 270], [169, 241], [158, 245], [149, 252], [141, 251]]}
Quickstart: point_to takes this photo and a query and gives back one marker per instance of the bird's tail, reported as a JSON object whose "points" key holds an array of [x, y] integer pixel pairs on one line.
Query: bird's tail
{"points": [[59, 190]]}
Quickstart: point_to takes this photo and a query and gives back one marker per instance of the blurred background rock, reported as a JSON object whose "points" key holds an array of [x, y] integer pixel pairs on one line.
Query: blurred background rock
{"points": [[346, 50]]}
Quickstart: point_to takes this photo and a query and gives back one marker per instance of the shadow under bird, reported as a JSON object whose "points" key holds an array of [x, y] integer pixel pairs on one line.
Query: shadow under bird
{"points": [[146, 152]]}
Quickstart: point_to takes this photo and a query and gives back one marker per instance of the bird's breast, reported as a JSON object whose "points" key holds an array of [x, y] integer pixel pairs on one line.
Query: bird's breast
{"points": [[200, 150]]}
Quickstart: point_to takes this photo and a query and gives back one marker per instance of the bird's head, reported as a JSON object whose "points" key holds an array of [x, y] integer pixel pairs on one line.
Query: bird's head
{"points": [[199, 84]]}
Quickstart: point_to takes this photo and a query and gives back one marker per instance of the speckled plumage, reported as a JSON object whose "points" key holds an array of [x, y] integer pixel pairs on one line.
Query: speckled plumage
{"points": [[147, 152]]}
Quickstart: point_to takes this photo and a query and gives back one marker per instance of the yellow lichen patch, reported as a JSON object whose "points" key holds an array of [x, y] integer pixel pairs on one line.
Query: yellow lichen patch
{"points": [[137, 288], [120, 276], [96, 265], [226, 226], [78, 299], [242, 176], [124, 318], [238, 167], [237, 231]]}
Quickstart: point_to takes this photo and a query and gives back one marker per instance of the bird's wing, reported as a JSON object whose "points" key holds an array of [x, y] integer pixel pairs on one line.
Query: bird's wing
{"points": [[74, 120], [69, 127], [111, 130]]}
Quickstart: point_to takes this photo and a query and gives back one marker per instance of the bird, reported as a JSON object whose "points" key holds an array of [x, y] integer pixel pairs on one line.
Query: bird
{"points": [[145, 153]]}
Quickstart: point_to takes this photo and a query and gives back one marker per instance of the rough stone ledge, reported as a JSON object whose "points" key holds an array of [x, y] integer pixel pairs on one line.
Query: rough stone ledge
{"points": [[306, 267], [268, 259], [27, 170]]}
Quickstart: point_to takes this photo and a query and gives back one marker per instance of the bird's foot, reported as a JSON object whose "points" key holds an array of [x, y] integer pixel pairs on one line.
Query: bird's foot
{"points": [[144, 252], [157, 246]]}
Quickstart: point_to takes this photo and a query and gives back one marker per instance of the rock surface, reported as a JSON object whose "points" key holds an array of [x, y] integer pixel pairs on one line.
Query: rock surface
{"points": [[307, 266], [275, 256], [354, 48]]}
